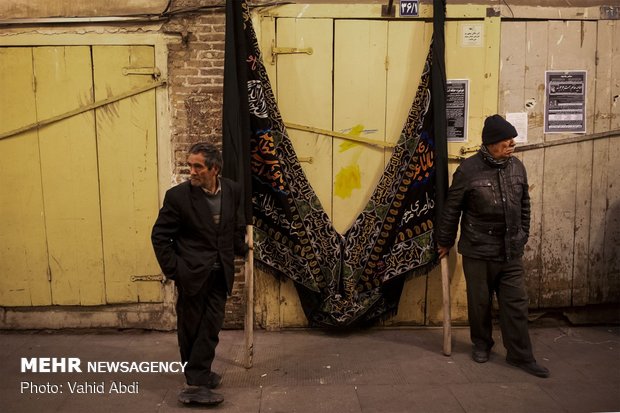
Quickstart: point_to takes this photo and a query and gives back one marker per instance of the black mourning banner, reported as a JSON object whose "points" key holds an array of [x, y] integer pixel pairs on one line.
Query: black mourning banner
{"points": [[357, 277]]}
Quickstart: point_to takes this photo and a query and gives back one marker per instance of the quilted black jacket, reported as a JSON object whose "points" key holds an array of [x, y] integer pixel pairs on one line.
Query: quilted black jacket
{"points": [[493, 204]]}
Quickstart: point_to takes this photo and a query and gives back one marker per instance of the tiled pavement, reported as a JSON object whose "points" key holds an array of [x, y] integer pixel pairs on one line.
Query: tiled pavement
{"points": [[375, 370]]}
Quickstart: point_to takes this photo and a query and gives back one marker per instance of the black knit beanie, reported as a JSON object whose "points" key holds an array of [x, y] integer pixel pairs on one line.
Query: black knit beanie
{"points": [[497, 129]]}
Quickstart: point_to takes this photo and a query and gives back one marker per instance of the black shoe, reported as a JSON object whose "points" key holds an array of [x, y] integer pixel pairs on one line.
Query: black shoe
{"points": [[532, 368], [480, 356], [214, 380], [200, 395]]}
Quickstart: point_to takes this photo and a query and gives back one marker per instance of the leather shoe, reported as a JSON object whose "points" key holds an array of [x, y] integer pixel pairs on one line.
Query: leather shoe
{"points": [[532, 367], [480, 356], [214, 380], [200, 395]]}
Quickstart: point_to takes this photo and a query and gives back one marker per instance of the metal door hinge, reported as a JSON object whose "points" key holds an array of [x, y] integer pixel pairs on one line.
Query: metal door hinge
{"points": [[493, 12], [152, 71], [150, 277], [275, 51], [388, 10]]}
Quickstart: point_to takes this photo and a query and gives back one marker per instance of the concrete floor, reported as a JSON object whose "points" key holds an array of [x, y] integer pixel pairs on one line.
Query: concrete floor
{"points": [[376, 370]]}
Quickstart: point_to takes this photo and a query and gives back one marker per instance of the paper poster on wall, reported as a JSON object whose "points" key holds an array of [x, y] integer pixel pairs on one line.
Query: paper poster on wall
{"points": [[457, 102], [472, 34], [565, 101], [519, 121]]}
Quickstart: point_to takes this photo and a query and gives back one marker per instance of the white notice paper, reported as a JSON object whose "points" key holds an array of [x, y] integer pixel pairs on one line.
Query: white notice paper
{"points": [[519, 121], [472, 34]]}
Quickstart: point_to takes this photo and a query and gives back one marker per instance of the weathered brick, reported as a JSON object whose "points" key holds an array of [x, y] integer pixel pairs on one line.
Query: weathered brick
{"points": [[195, 87], [211, 37]]}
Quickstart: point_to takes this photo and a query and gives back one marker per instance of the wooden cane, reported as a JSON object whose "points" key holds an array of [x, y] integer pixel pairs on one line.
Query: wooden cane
{"points": [[248, 327], [445, 287]]}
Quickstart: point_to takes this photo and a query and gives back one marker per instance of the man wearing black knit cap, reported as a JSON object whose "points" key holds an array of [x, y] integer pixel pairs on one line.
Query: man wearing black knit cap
{"points": [[489, 195]]}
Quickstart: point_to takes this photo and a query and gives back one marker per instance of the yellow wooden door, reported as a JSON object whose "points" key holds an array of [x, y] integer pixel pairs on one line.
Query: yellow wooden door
{"points": [[23, 247], [78, 196], [69, 175], [376, 70], [127, 148]]}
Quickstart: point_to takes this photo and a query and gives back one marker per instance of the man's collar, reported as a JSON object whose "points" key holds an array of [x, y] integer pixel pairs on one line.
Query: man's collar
{"points": [[217, 190]]}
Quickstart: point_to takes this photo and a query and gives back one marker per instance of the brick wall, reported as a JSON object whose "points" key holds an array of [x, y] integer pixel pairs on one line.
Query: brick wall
{"points": [[196, 82]]}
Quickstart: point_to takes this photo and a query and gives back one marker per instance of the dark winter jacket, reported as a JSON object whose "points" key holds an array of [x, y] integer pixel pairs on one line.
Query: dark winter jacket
{"points": [[493, 204], [187, 242]]}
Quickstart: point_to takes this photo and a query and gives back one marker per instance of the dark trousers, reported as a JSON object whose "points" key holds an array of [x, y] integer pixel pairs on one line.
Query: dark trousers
{"points": [[199, 321], [505, 279]]}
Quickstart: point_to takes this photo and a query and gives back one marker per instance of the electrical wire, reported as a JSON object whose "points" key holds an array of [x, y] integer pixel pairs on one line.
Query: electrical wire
{"points": [[507, 5], [199, 9]]}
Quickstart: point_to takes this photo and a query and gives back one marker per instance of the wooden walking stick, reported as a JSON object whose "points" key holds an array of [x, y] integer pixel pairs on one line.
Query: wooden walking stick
{"points": [[248, 328], [445, 288]]}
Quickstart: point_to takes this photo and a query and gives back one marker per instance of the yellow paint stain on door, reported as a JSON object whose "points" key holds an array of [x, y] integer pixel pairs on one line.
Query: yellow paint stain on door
{"points": [[347, 179], [346, 145]]}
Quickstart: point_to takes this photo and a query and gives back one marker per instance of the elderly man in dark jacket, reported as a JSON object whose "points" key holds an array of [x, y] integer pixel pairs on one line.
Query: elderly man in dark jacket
{"points": [[197, 234], [489, 195]]}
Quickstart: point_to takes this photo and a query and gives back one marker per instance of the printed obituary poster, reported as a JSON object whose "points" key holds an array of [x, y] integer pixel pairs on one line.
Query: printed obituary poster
{"points": [[457, 95], [565, 107], [519, 121]]}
